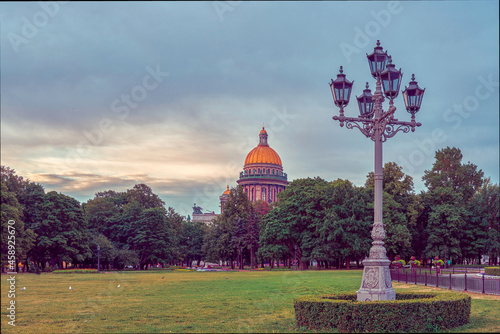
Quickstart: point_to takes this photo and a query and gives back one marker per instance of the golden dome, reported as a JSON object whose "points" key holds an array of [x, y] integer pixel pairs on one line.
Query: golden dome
{"points": [[227, 192], [263, 154]]}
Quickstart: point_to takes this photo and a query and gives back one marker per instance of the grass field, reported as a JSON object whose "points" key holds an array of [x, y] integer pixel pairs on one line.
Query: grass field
{"points": [[186, 301]]}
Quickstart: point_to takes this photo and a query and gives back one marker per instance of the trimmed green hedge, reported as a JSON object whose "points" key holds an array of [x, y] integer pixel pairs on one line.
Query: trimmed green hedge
{"points": [[410, 312], [493, 271]]}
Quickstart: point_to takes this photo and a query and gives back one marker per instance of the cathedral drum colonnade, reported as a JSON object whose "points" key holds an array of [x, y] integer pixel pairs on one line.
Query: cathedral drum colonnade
{"points": [[262, 176]]}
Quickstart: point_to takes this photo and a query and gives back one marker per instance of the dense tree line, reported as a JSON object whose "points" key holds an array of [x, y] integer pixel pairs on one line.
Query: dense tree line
{"points": [[131, 228], [329, 223], [326, 222]]}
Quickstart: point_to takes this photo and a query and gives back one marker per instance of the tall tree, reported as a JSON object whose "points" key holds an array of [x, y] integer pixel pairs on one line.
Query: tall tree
{"points": [[448, 171], [151, 239], [451, 185], [482, 232], [16, 240], [13, 210], [191, 241], [62, 231], [226, 236], [346, 231], [295, 219], [234, 220]]}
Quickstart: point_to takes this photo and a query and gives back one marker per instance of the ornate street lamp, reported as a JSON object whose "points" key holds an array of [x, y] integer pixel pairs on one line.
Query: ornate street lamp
{"points": [[413, 96], [365, 103], [377, 60], [378, 125], [341, 90], [391, 80]]}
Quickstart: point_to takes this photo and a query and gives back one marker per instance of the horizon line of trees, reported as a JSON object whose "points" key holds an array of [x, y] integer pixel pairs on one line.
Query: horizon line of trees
{"points": [[314, 221]]}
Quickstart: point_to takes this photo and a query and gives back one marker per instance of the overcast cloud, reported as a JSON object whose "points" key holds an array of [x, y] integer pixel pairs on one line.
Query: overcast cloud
{"points": [[99, 96]]}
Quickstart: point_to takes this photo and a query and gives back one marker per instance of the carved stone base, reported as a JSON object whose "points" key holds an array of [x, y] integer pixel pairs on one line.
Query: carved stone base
{"points": [[376, 283]]}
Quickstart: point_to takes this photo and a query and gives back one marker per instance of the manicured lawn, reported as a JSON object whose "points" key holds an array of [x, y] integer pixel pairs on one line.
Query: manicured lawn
{"points": [[185, 301]]}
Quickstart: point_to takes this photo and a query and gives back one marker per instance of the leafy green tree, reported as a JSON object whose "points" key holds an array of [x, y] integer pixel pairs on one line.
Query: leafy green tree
{"points": [[234, 221], [191, 241], [102, 216], [174, 221], [295, 219], [62, 231], [448, 171], [151, 240], [346, 231], [395, 182], [226, 236], [32, 199], [482, 232], [451, 185], [13, 210], [258, 211], [129, 217], [16, 240], [445, 224], [253, 233], [213, 243]]}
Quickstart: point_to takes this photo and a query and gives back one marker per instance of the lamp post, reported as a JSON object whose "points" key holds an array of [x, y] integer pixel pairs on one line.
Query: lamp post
{"points": [[378, 125], [98, 258], [445, 259], [295, 257]]}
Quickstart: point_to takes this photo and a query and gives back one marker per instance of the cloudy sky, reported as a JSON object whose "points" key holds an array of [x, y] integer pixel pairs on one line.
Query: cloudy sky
{"points": [[99, 96]]}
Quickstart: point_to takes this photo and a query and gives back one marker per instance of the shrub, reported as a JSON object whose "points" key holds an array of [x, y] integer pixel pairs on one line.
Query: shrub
{"points": [[493, 271], [468, 265], [438, 262], [410, 312], [398, 263]]}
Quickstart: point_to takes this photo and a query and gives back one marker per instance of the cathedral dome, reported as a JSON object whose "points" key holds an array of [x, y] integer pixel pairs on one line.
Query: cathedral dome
{"points": [[262, 177], [263, 154]]}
